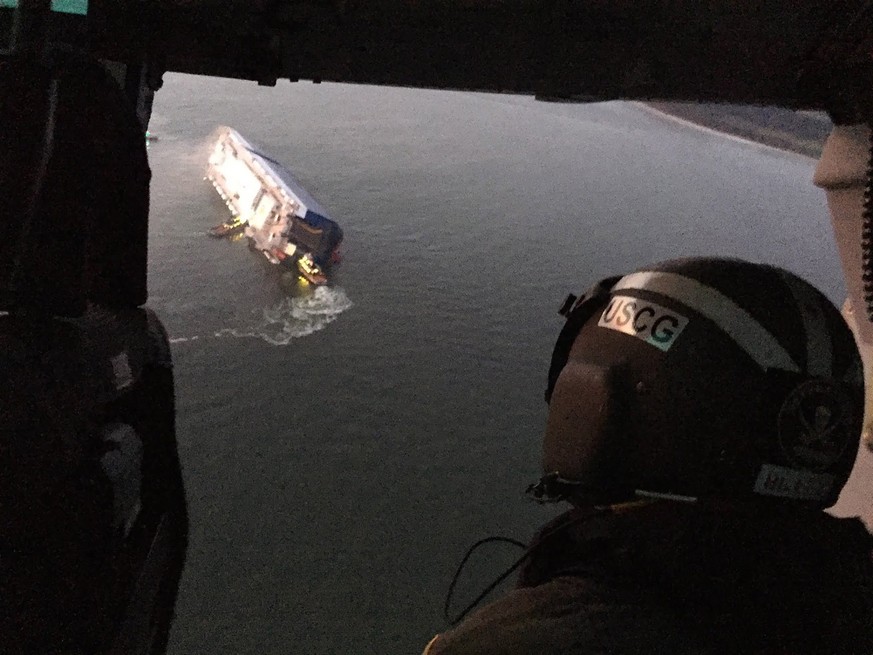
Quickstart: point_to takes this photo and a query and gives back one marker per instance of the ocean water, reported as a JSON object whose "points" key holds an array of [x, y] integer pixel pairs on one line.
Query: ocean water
{"points": [[343, 446]]}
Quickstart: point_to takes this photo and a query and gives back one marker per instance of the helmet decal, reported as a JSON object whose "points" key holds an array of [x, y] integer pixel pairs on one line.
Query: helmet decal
{"points": [[784, 482], [654, 324], [815, 425], [736, 322]]}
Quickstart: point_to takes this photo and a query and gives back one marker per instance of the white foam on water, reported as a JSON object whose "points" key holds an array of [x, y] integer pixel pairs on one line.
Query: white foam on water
{"points": [[295, 317], [183, 339]]}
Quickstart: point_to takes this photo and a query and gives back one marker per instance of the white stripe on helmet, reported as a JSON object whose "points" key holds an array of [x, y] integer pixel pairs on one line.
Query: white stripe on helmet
{"points": [[819, 349], [735, 321]]}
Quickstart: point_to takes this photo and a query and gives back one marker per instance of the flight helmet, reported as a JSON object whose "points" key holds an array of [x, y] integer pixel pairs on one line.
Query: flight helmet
{"points": [[703, 378]]}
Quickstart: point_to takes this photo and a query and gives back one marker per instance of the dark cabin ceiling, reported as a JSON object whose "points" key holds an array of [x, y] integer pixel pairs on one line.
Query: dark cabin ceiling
{"points": [[796, 53]]}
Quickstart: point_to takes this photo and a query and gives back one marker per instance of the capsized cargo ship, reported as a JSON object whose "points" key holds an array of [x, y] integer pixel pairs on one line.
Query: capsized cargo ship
{"points": [[270, 206]]}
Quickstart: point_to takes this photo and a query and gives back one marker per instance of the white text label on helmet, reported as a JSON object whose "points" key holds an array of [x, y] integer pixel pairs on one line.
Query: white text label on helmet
{"points": [[654, 324], [792, 483]]}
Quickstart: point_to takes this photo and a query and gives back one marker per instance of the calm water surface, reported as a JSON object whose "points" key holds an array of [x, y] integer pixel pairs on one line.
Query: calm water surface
{"points": [[342, 447]]}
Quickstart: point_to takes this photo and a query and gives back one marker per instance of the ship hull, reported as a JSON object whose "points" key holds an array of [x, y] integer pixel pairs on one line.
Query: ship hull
{"points": [[270, 206]]}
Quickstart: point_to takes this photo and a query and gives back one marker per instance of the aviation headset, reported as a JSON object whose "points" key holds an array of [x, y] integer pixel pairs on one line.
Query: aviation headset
{"points": [[749, 389]]}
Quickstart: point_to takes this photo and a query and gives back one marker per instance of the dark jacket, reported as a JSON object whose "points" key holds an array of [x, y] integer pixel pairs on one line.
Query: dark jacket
{"points": [[673, 579]]}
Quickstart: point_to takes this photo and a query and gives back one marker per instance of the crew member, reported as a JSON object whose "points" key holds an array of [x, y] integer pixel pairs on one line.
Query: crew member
{"points": [[702, 414]]}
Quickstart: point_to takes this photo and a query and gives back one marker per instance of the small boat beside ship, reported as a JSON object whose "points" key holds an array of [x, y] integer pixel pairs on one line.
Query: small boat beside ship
{"points": [[228, 228], [270, 206], [310, 270]]}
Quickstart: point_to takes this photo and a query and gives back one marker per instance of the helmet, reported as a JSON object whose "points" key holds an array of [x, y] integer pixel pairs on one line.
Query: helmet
{"points": [[703, 378]]}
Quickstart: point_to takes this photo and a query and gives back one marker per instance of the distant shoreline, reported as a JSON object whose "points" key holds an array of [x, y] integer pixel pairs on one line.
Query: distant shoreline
{"points": [[800, 132]]}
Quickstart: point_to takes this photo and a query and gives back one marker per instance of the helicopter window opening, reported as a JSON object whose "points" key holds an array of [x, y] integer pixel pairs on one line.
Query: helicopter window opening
{"points": [[79, 7], [71, 6]]}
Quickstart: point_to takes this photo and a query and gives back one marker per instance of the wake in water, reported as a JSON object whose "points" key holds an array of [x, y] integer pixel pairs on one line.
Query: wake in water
{"points": [[292, 318], [295, 317]]}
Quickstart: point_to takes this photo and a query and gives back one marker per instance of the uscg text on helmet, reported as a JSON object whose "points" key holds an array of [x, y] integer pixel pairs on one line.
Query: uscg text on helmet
{"points": [[654, 324]]}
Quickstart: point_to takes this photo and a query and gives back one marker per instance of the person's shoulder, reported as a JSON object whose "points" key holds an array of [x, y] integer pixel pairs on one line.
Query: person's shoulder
{"points": [[515, 623], [543, 620]]}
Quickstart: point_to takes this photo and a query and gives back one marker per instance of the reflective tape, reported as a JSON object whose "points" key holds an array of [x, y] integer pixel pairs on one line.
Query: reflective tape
{"points": [[819, 348], [735, 321]]}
